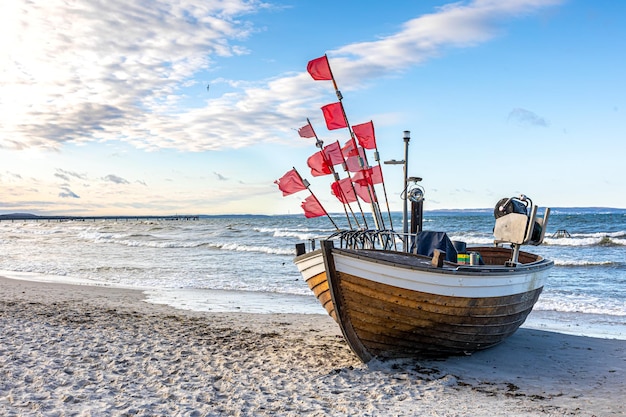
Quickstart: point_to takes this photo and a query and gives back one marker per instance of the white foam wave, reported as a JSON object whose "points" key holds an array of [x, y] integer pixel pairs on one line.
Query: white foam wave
{"points": [[472, 240], [44, 277], [577, 304], [247, 248], [585, 240], [161, 244], [581, 262], [299, 233]]}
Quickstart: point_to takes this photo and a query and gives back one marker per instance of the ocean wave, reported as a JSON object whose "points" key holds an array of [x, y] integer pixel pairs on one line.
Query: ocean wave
{"points": [[302, 234], [43, 270], [36, 232], [161, 244], [590, 305], [297, 235], [146, 241], [587, 240], [236, 247], [472, 240], [583, 262]]}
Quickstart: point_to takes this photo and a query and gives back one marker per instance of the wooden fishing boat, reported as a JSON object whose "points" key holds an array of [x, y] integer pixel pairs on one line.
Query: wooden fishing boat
{"points": [[415, 293], [391, 303]]}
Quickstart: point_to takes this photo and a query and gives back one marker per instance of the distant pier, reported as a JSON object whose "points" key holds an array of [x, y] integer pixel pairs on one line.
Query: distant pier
{"points": [[30, 217]]}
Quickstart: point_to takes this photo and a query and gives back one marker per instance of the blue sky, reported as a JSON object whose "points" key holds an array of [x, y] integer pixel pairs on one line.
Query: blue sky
{"points": [[104, 109]]}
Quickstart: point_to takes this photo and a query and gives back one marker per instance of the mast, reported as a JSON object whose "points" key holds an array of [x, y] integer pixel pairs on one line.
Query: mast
{"points": [[378, 221], [405, 222], [307, 185], [309, 132]]}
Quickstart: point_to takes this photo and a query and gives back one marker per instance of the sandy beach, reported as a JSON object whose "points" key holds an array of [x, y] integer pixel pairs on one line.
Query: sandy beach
{"points": [[76, 350]]}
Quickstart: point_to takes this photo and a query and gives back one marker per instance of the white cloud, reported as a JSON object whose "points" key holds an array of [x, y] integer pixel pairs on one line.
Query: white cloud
{"points": [[219, 176], [527, 117], [67, 193], [79, 71], [460, 24], [115, 179], [93, 71]]}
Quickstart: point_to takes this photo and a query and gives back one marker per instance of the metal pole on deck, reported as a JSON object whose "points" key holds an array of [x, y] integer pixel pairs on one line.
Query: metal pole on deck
{"points": [[405, 215], [405, 212]]}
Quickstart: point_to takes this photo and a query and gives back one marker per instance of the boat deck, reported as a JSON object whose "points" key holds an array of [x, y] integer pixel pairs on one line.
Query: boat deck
{"points": [[494, 257]]}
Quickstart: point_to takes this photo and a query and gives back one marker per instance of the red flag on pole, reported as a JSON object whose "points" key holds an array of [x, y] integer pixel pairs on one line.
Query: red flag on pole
{"points": [[363, 192], [306, 131], [333, 154], [365, 135], [352, 154], [353, 164], [350, 149], [319, 68], [312, 207], [343, 190], [334, 116], [369, 176], [318, 165], [290, 183]]}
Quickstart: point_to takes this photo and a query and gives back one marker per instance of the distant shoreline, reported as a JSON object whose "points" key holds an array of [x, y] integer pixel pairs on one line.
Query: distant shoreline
{"points": [[435, 212]]}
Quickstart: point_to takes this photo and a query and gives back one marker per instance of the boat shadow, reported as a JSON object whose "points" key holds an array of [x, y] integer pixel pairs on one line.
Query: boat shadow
{"points": [[536, 363]]}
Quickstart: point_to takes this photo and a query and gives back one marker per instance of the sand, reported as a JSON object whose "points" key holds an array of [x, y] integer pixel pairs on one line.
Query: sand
{"points": [[76, 350]]}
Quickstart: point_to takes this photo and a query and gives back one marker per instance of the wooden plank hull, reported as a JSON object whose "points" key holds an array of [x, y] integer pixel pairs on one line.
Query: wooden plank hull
{"points": [[311, 267], [391, 304]]}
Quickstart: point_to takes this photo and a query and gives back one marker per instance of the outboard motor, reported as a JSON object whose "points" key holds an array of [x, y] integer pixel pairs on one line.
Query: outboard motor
{"points": [[517, 224]]}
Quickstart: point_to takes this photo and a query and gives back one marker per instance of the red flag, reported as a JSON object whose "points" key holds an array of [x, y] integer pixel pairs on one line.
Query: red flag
{"points": [[319, 69], [333, 114], [343, 190], [349, 149], [352, 162], [306, 131], [333, 154], [369, 176], [290, 183], [365, 135], [312, 207], [364, 193], [318, 165]]}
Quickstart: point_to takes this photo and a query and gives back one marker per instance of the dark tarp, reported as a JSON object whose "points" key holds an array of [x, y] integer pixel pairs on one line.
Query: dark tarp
{"points": [[427, 242]]}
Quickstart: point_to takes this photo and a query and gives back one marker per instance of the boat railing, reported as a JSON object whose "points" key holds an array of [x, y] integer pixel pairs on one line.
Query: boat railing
{"points": [[361, 239], [367, 239]]}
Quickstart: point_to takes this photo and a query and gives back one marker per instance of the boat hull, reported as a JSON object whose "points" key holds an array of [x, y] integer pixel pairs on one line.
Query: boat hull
{"points": [[391, 304], [311, 267]]}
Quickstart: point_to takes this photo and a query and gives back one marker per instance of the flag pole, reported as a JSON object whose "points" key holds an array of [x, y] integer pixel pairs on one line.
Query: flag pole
{"points": [[377, 159], [378, 220], [307, 185], [319, 143]]}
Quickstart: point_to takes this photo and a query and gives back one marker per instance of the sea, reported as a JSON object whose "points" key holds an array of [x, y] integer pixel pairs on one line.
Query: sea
{"points": [[244, 263]]}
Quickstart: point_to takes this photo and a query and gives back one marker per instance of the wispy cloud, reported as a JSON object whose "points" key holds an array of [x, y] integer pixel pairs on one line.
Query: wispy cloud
{"points": [[10, 176], [220, 176], [456, 25], [97, 71], [526, 117], [115, 179], [67, 193], [62, 176]]}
